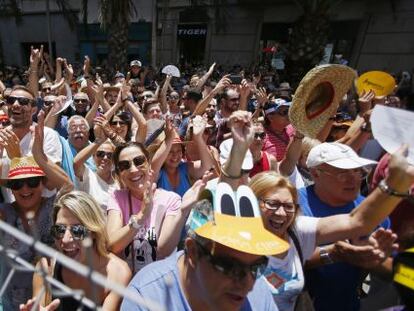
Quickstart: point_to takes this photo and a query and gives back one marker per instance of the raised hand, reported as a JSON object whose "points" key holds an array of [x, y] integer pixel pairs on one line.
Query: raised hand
{"points": [[102, 129], [36, 56], [86, 66], [191, 196], [199, 125], [37, 148], [149, 188], [400, 173], [10, 142], [241, 128], [68, 70], [261, 97], [211, 69], [223, 83], [244, 88], [58, 104], [365, 100]]}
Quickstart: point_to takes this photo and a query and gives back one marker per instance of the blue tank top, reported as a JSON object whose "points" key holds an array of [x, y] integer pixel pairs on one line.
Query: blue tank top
{"points": [[184, 182]]}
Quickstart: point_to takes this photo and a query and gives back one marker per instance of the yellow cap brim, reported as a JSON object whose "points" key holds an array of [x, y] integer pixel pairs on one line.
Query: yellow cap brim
{"points": [[244, 234]]}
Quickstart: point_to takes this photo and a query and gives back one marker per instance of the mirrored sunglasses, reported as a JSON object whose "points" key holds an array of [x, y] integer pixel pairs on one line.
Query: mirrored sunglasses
{"points": [[78, 232]]}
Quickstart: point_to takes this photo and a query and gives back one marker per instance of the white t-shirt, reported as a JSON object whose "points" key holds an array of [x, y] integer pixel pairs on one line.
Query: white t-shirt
{"points": [[285, 276], [98, 188], [52, 148]]}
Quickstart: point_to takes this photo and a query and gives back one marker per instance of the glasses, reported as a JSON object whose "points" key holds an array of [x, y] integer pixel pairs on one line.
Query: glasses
{"points": [[138, 161], [232, 268], [274, 205], [118, 123], [47, 89], [147, 96], [79, 100], [5, 123], [23, 101], [103, 154], [81, 127], [48, 102], [174, 97], [78, 232], [343, 176], [17, 184], [260, 135]]}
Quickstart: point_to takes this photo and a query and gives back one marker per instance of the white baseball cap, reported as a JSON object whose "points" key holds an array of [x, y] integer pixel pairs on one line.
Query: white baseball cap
{"points": [[337, 155], [225, 148]]}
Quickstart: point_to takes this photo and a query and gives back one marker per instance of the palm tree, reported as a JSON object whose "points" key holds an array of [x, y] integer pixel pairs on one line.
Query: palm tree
{"points": [[308, 38], [115, 17]]}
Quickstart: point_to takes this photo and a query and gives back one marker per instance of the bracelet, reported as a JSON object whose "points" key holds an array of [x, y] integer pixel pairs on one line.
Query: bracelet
{"points": [[223, 172], [388, 190]]}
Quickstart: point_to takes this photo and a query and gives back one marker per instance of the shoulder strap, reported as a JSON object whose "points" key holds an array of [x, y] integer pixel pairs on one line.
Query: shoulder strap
{"points": [[295, 239]]}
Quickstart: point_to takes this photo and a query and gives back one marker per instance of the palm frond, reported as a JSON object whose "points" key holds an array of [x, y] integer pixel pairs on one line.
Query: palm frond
{"points": [[68, 12]]}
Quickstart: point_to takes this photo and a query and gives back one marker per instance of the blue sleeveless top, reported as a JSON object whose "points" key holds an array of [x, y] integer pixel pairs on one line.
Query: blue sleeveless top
{"points": [[184, 183]]}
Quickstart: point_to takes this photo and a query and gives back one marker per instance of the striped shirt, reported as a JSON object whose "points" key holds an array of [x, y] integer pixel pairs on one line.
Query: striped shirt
{"points": [[277, 144]]}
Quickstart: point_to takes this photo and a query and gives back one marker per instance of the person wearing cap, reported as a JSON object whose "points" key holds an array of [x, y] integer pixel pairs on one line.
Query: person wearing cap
{"points": [[278, 130], [224, 256], [31, 210], [135, 68], [21, 108], [337, 172], [170, 170]]}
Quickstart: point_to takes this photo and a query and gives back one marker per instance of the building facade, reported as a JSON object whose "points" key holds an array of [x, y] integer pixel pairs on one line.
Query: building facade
{"points": [[368, 34]]}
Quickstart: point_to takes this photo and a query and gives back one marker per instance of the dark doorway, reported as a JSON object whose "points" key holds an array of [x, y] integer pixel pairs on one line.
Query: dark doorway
{"points": [[191, 43]]}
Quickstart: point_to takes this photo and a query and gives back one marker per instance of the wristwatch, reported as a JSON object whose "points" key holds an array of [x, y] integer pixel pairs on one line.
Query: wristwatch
{"points": [[133, 222], [388, 190], [324, 255]]}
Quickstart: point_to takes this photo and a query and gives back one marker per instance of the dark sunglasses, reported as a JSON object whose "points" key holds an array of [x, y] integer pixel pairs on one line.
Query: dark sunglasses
{"points": [[5, 123], [102, 154], [79, 232], [23, 101], [17, 184], [260, 135], [47, 89], [48, 102], [118, 123], [126, 165], [80, 100], [232, 268]]}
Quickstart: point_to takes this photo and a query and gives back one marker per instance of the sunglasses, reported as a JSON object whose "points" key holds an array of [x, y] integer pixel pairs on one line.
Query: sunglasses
{"points": [[102, 154], [232, 268], [137, 161], [48, 102], [80, 100], [17, 184], [47, 89], [260, 135], [5, 123], [23, 101], [78, 232], [118, 123]]}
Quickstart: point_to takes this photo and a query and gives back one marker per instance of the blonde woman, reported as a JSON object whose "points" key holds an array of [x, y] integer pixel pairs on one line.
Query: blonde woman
{"points": [[77, 216]]}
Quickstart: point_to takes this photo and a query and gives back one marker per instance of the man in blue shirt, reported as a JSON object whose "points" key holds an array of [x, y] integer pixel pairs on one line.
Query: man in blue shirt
{"points": [[221, 263], [337, 172]]}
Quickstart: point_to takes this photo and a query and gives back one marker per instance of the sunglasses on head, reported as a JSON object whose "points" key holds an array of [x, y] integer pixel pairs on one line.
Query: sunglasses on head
{"points": [[102, 154], [118, 123], [137, 161], [260, 135], [78, 232], [23, 101], [17, 184], [232, 268]]}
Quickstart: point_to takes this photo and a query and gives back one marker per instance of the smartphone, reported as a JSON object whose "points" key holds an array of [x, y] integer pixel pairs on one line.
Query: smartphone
{"points": [[235, 79]]}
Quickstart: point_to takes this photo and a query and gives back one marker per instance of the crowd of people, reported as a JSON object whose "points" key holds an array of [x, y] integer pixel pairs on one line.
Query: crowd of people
{"points": [[198, 192]]}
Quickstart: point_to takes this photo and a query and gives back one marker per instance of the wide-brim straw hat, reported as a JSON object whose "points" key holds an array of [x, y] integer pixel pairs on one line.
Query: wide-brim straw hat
{"points": [[318, 96]]}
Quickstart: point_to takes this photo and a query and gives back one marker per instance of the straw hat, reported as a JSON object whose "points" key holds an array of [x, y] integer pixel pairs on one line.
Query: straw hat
{"points": [[116, 87], [24, 167], [318, 96], [236, 222]]}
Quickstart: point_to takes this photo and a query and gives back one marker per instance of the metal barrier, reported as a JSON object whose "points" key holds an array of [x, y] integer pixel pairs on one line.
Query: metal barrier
{"points": [[18, 263]]}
